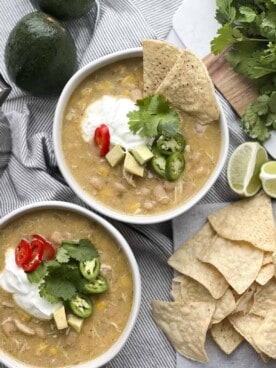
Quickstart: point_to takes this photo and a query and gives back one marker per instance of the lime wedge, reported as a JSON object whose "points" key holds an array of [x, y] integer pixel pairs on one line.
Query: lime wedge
{"points": [[244, 168], [268, 178]]}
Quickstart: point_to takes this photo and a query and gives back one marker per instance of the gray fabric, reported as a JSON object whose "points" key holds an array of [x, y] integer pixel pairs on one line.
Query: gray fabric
{"points": [[188, 224], [28, 171]]}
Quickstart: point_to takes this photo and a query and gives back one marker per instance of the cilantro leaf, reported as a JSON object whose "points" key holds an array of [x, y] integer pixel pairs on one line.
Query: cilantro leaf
{"points": [[247, 14], [62, 255], [85, 251], [268, 26], [225, 13], [226, 37], [258, 119], [56, 289], [44, 294], [155, 115], [38, 274]]}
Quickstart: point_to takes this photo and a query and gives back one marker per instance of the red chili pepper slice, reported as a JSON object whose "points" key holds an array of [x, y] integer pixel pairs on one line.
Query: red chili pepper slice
{"points": [[102, 139], [37, 249], [49, 251], [22, 253]]}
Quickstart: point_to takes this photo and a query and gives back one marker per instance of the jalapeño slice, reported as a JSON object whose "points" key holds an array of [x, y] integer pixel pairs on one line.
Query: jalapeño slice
{"points": [[81, 306], [97, 286], [169, 145], [90, 269], [175, 165]]}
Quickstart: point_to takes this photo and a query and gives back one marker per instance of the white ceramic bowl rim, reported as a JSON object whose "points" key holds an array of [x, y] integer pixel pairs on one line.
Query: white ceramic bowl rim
{"points": [[114, 349], [103, 209]]}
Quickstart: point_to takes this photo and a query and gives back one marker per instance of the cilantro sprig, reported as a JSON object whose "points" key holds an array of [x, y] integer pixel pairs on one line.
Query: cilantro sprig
{"points": [[59, 278], [248, 34], [154, 116]]}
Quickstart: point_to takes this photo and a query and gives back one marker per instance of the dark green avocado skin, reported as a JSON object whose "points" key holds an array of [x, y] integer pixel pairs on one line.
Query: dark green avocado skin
{"points": [[40, 55], [64, 9]]}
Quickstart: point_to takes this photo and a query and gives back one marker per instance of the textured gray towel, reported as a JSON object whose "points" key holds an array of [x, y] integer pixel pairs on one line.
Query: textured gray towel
{"points": [[28, 171]]}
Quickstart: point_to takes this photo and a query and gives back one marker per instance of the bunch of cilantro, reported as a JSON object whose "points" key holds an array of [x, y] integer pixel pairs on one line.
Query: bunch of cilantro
{"points": [[60, 278], [248, 34]]}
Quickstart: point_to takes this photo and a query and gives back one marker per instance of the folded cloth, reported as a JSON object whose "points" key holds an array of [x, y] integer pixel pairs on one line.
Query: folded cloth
{"points": [[28, 170], [186, 225]]}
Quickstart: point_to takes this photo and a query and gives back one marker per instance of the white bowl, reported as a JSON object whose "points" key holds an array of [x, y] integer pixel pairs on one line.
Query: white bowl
{"points": [[96, 205], [118, 345]]}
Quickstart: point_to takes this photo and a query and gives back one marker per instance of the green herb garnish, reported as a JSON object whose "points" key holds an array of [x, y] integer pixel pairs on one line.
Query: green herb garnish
{"points": [[248, 33], [60, 278], [155, 116]]}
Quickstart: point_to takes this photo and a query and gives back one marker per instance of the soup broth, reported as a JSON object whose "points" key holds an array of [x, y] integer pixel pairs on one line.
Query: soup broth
{"points": [[149, 194], [49, 347]]}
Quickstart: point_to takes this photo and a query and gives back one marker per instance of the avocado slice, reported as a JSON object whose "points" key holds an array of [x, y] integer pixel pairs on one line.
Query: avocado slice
{"points": [[142, 154], [132, 166], [64, 9], [40, 55], [115, 155]]}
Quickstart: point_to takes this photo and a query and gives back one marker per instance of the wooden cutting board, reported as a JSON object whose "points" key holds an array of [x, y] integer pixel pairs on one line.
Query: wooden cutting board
{"points": [[236, 89]]}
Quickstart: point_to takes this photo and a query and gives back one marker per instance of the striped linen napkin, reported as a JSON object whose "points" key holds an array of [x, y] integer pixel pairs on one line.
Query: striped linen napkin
{"points": [[28, 170]]}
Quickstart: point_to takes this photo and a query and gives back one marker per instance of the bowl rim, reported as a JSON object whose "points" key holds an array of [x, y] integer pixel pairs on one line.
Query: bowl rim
{"points": [[75, 80], [108, 355]]}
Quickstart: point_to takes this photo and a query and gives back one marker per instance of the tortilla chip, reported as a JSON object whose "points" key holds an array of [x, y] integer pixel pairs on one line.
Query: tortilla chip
{"points": [[186, 289], [245, 301], [249, 220], [267, 258], [264, 299], [265, 336], [273, 257], [185, 260], [158, 58], [265, 274], [227, 338], [185, 325], [189, 88], [239, 263], [245, 325], [224, 306]]}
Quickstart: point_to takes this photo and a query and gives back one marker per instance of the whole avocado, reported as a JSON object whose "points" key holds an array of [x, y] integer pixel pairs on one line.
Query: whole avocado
{"points": [[64, 9], [40, 55]]}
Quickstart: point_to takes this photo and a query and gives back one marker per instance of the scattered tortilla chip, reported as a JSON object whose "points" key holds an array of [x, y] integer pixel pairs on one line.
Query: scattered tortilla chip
{"points": [[274, 262], [266, 273], [245, 301], [185, 325], [264, 299], [224, 306], [189, 88], [185, 260], [265, 336], [267, 258], [239, 263], [158, 58], [249, 220], [176, 289], [265, 358], [190, 290], [227, 338], [245, 325]]}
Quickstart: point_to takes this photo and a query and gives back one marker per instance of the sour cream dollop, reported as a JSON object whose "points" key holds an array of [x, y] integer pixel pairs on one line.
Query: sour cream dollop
{"points": [[111, 111], [14, 280]]}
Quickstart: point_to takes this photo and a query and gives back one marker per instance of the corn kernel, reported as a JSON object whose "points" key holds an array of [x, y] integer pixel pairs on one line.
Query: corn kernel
{"points": [[105, 192], [104, 170], [53, 350], [101, 306], [106, 85], [40, 347], [133, 207], [129, 79]]}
